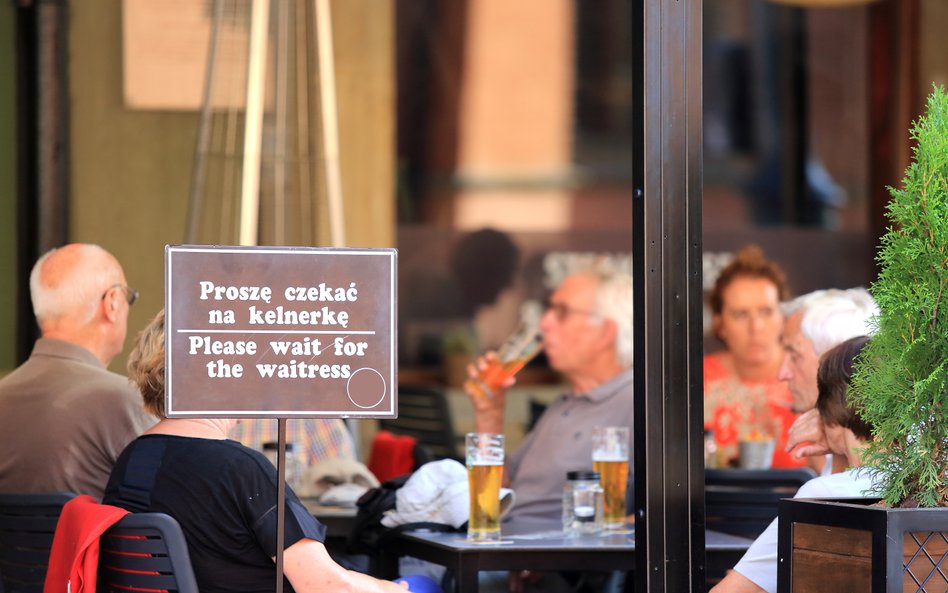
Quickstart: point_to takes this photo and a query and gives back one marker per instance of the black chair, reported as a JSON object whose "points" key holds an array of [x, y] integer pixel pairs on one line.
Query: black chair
{"points": [[145, 552], [744, 502], [534, 411], [27, 525], [423, 413]]}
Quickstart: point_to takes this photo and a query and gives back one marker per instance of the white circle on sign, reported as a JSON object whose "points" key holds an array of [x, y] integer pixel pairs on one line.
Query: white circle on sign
{"points": [[366, 387]]}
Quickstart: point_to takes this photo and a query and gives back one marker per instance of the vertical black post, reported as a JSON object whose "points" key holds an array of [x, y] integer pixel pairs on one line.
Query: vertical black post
{"points": [[26, 240], [281, 500], [666, 256], [52, 183], [791, 74], [42, 103]]}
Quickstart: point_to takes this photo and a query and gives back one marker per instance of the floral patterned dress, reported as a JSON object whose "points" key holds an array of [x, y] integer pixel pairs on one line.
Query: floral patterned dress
{"points": [[736, 409]]}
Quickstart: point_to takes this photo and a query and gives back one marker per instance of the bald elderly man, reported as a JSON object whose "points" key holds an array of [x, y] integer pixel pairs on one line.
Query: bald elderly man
{"points": [[64, 417]]}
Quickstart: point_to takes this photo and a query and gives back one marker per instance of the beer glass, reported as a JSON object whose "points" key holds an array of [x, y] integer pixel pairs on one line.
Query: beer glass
{"points": [[484, 453], [611, 460], [519, 348]]}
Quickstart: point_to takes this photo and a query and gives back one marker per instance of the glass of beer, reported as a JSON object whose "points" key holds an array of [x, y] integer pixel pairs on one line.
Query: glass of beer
{"points": [[519, 349], [484, 453], [611, 460]]}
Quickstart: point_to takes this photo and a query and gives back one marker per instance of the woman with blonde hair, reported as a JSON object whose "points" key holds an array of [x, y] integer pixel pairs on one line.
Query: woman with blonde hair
{"points": [[224, 495]]}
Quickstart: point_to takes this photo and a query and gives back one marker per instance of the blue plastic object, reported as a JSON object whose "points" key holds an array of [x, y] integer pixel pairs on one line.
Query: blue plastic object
{"points": [[420, 584]]}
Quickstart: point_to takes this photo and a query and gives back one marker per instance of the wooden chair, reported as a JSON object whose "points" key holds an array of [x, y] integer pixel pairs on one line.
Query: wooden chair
{"points": [[744, 502], [145, 552], [423, 413], [27, 525]]}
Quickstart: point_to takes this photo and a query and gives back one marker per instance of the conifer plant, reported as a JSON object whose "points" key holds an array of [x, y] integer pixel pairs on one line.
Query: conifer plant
{"points": [[901, 382]]}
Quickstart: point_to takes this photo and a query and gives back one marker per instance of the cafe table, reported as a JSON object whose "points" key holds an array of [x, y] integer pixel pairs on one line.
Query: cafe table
{"points": [[541, 547]]}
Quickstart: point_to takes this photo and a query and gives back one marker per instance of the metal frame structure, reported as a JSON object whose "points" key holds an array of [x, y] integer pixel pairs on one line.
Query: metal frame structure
{"points": [[890, 529], [666, 259]]}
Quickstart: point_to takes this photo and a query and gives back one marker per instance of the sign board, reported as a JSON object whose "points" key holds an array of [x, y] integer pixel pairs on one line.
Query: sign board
{"points": [[280, 332]]}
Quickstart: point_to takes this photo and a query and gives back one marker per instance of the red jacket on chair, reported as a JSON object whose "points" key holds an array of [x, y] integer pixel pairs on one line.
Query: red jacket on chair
{"points": [[74, 558]]}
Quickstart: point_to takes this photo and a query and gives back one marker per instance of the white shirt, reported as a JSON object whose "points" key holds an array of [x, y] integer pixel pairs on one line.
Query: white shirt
{"points": [[759, 563]]}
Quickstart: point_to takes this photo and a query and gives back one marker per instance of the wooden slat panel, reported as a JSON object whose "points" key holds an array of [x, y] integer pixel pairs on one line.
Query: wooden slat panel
{"points": [[834, 540], [822, 572]]}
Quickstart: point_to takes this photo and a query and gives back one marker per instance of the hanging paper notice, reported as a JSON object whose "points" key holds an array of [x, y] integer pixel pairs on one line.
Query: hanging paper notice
{"points": [[280, 332]]}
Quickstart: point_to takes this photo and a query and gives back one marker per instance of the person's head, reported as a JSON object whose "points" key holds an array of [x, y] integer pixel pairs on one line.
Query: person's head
{"points": [[484, 263], [80, 295], [146, 365], [587, 326], [745, 307], [816, 322], [836, 411]]}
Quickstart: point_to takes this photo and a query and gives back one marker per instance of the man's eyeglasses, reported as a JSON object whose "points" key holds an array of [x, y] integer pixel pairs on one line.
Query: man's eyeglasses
{"points": [[561, 311], [131, 295]]}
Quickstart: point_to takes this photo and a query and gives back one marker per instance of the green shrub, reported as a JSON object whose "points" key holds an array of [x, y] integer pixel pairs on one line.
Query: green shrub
{"points": [[900, 381]]}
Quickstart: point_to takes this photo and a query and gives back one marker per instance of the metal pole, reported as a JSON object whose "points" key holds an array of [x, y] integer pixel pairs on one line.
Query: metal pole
{"points": [[256, 75], [327, 101], [196, 205], [666, 258], [52, 118], [281, 500]]}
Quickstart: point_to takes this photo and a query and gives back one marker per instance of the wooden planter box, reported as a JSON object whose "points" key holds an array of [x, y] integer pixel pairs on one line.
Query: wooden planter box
{"points": [[847, 545]]}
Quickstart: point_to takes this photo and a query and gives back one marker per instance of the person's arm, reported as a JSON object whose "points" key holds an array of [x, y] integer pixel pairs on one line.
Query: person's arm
{"points": [[735, 582], [310, 569], [488, 411]]}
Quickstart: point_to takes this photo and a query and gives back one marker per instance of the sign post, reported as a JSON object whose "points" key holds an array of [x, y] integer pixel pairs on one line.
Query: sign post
{"points": [[267, 332], [280, 332]]}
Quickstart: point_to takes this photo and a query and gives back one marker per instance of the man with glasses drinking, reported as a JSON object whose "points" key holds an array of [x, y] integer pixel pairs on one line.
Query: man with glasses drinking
{"points": [[587, 337], [64, 417]]}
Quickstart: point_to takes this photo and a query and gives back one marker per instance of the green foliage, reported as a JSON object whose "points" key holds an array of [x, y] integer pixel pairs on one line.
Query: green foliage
{"points": [[901, 381]]}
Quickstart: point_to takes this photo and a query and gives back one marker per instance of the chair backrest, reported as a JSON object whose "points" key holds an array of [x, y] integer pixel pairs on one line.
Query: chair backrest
{"points": [[744, 502], [423, 413], [27, 524], [145, 552]]}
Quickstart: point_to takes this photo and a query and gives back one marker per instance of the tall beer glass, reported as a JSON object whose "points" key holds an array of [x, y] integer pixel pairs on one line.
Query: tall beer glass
{"points": [[484, 453], [519, 348], [611, 460]]}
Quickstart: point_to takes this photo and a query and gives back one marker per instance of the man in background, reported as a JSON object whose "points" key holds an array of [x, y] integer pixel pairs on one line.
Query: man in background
{"points": [[587, 338], [817, 322], [64, 417]]}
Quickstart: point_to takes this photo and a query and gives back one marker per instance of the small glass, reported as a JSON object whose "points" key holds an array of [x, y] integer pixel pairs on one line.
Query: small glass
{"points": [[293, 474], [756, 452], [710, 449], [484, 454], [582, 504]]}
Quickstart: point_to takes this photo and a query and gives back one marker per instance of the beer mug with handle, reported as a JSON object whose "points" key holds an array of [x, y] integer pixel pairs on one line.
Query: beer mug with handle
{"points": [[484, 453], [611, 460]]}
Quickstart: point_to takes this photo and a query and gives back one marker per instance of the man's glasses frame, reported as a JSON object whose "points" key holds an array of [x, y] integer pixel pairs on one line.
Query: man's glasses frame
{"points": [[131, 295], [562, 311]]}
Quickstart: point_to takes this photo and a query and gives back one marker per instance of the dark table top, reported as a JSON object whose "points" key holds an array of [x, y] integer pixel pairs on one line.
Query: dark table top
{"points": [[547, 536], [536, 546]]}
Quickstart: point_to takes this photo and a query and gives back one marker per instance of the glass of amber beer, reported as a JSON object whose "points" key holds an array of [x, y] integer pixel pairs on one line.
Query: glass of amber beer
{"points": [[484, 453], [611, 460], [519, 349]]}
